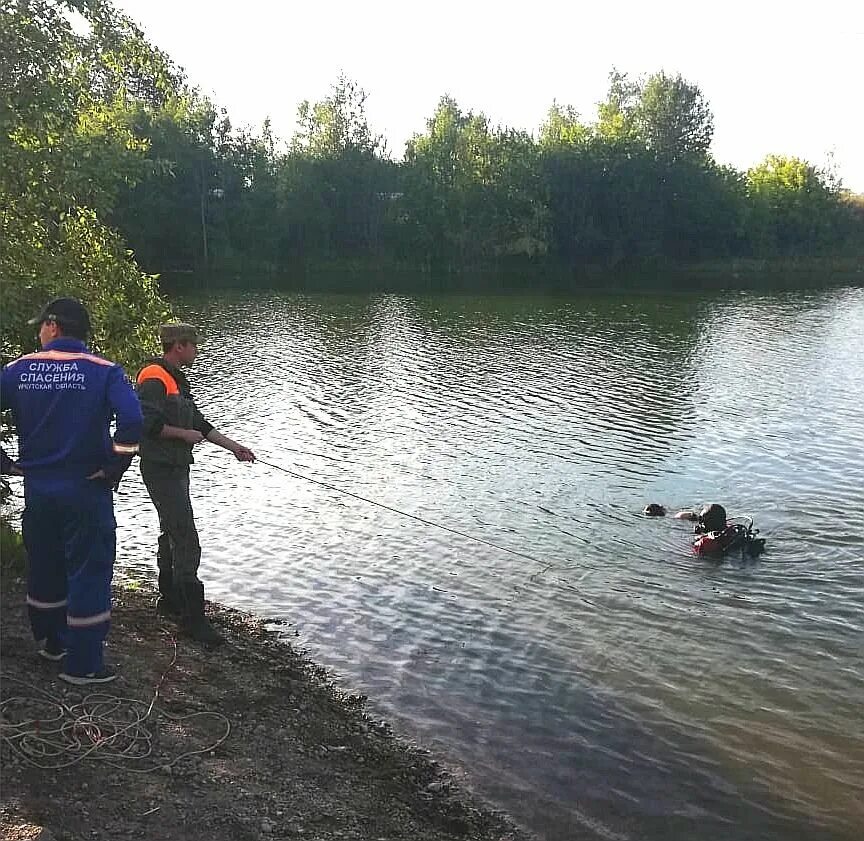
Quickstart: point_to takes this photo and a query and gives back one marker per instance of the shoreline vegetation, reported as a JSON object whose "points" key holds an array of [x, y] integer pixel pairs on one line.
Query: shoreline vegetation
{"points": [[533, 276], [302, 759]]}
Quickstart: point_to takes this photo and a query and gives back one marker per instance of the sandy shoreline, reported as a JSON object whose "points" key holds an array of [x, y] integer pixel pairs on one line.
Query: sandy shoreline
{"points": [[298, 758]]}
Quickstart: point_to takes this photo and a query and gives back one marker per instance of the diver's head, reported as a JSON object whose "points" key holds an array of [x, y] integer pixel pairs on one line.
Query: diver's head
{"points": [[712, 517], [654, 509]]}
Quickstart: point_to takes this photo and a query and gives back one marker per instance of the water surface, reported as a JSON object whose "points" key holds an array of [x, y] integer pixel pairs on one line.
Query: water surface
{"points": [[612, 686]]}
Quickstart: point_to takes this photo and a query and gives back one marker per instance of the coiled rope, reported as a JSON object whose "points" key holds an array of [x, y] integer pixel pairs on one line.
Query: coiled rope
{"points": [[112, 729]]}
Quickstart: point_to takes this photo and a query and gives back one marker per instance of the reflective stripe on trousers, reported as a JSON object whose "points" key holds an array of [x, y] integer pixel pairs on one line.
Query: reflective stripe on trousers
{"points": [[69, 532]]}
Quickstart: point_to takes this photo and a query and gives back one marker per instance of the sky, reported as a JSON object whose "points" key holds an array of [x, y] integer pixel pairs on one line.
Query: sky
{"points": [[780, 77]]}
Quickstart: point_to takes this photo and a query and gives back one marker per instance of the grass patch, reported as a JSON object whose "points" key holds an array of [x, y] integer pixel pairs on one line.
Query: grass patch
{"points": [[13, 556]]}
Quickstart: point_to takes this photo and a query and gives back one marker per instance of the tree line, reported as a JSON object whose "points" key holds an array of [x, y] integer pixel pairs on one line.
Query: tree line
{"points": [[636, 181], [113, 169]]}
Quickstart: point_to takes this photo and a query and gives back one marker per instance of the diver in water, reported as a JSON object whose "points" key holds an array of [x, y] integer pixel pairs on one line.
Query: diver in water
{"points": [[709, 518], [716, 535], [654, 509]]}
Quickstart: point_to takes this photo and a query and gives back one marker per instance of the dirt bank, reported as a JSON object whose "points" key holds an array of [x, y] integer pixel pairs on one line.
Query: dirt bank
{"points": [[296, 758]]}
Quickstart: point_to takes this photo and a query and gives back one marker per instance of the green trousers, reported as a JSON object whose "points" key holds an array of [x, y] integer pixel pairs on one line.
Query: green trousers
{"points": [[179, 552]]}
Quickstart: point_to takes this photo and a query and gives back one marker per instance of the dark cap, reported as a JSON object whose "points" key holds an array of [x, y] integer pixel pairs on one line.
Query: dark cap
{"points": [[178, 333], [69, 313]]}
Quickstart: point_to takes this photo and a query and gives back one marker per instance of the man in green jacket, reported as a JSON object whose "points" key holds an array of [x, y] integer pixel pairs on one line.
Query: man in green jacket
{"points": [[173, 425]]}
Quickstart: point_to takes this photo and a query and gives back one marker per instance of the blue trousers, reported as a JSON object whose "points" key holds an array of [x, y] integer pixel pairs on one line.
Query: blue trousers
{"points": [[70, 535]]}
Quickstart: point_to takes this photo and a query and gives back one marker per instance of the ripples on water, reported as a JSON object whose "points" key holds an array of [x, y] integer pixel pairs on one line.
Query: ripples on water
{"points": [[619, 687]]}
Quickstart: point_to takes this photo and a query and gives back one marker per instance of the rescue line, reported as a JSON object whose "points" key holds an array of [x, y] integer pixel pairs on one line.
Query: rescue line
{"points": [[419, 519]]}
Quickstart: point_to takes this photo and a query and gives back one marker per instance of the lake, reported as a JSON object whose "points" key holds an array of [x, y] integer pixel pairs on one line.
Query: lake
{"points": [[603, 682]]}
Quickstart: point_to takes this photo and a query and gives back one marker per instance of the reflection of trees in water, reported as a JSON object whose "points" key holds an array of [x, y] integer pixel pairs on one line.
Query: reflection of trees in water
{"points": [[582, 380], [575, 380]]}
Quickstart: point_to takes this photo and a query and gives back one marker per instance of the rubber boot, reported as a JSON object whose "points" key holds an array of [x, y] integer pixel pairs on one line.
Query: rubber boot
{"points": [[168, 603], [195, 623]]}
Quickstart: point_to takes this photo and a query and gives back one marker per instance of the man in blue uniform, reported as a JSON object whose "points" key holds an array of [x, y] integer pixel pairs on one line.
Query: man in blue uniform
{"points": [[63, 400]]}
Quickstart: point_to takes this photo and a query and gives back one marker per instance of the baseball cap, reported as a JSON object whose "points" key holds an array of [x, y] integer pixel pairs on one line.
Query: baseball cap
{"points": [[69, 313], [178, 333]]}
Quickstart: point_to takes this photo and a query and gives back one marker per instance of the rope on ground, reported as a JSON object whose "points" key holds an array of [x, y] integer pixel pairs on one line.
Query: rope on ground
{"points": [[108, 728]]}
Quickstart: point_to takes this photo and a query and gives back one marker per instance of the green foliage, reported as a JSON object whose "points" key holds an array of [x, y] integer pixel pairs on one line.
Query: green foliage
{"points": [[77, 256], [337, 124], [673, 118], [563, 128], [471, 190], [331, 189], [616, 115], [666, 115], [99, 129], [70, 106], [852, 216], [161, 214], [68, 148], [13, 556], [795, 208]]}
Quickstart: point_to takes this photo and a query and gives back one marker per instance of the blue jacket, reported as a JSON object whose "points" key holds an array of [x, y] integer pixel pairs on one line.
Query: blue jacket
{"points": [[63, 400]]}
